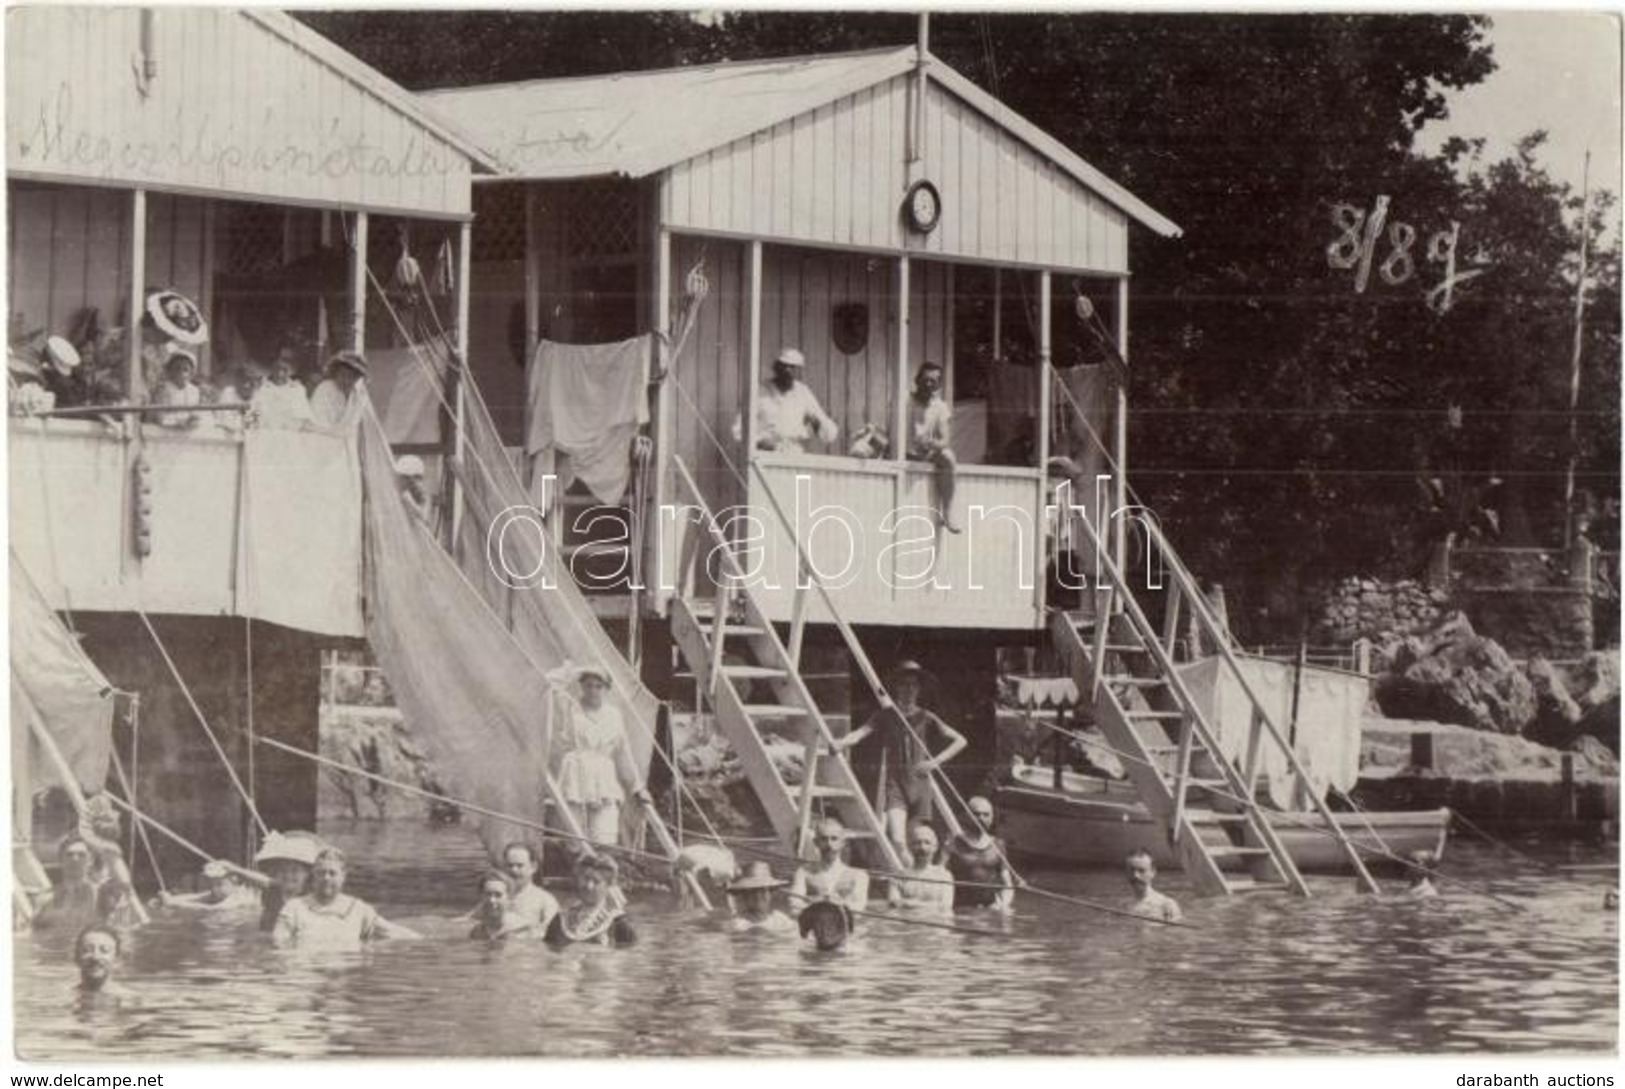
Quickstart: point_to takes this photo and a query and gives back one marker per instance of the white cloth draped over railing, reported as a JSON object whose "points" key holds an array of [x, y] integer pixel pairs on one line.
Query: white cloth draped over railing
{"points": [[1330, 707]]}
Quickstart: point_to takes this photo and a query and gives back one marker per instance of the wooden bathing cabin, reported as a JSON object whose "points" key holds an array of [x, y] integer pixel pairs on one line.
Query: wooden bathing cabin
{"points": [[242, 160]]}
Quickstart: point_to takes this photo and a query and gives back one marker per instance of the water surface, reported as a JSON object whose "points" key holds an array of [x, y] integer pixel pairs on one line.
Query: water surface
{"points": [[1260, 974]]}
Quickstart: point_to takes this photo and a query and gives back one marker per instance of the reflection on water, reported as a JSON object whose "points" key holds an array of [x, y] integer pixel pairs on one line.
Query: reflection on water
{"points": [[1255, 974]]}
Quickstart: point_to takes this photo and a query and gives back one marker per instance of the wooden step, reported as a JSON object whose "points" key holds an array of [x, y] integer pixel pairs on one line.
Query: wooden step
{"points": [[1239, 883], [753, 672], [773, 710], [1159, 716], [1130, 681], [1236, 852], [1210, 816], [594, 548], [821, 791], [1124, 648]]}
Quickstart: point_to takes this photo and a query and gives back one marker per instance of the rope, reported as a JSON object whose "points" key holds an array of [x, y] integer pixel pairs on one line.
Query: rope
{"points": [[137, 827], [420, 792], [252, 875], [1502, 844], [980, 933], [207, 729]]}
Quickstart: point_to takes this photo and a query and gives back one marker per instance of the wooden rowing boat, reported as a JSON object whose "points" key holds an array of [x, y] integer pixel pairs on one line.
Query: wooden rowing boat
{"points": [[1090, 821]]}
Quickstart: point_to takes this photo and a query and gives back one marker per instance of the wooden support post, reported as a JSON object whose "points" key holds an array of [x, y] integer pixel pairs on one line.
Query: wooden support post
{"points": [[899, 416], [1170, 618], [465, 238], [1421, 753], [533, 307], [798, 616], [1045, 353], [358, 284], [657, 558], [753, 348], [1120, 433], [137, 301], [1568, 797], [1255, 752]]}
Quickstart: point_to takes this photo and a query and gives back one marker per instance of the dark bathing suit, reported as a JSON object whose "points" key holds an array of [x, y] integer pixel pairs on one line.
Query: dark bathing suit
{"points": [[978, 866]]}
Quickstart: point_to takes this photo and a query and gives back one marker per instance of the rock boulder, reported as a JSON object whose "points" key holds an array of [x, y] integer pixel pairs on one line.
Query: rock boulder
{"points": [[1453, 674]]}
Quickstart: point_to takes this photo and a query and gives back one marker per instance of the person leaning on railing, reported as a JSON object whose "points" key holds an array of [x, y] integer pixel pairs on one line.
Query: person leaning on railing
{"points": [[788, 415]]}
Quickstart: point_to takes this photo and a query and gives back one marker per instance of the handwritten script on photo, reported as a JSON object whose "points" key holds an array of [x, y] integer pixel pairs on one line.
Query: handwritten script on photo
{"points": [[1362, 235]]}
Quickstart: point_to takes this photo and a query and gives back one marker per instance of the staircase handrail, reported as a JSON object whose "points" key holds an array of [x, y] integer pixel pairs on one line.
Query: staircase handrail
{"points": [[1186, 585], [805, 567], [807, 570]]}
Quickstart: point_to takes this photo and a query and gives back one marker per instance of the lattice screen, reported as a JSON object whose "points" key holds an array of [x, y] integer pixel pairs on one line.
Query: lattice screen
{"points": [[602, 219], [499, 223], [253, 238]]}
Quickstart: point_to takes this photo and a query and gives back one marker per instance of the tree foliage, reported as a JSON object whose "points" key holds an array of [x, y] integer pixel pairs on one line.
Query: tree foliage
{"points": [[1281, 418]]}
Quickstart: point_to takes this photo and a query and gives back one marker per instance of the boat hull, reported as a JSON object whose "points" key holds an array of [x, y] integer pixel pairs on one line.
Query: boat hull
{"points": [[1102, 825]]}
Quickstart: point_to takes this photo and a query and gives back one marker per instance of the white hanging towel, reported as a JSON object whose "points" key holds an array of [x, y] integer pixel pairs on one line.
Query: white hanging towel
{"points": [[588, 401]]}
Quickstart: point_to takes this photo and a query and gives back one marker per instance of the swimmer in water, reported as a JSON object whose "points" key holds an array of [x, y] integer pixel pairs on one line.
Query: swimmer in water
{"points": [[496, 920], [829, 923], [752, 896], [828, 877], [1148, 902], [223, 892], [96, 952], [1421, 876]]}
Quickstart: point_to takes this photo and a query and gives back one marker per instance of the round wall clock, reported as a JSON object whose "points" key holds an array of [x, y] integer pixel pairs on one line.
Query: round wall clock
{"points": [[922, 207]]}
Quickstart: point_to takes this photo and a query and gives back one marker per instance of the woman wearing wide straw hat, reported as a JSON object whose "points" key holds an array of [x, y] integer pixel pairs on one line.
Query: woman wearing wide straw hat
{"points": [[595, 769]]}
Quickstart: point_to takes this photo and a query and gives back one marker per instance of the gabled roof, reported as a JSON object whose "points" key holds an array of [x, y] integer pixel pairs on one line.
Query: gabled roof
{"points": [[638, 123], [326, 52]]}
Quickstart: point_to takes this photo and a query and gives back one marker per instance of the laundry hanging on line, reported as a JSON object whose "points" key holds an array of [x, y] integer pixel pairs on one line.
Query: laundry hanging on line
{"points": [[587, 401]]}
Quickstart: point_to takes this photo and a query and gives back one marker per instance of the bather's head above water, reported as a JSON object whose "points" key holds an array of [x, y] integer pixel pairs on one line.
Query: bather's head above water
{"points": [[327, 876], [596, 875]]}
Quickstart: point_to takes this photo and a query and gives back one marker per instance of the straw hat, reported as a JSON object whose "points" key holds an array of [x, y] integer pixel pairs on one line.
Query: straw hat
{"points": [[758, 875], [593, 671], [298, 847], [409, 465], [175, 353], [792, 357], [177, 317], [908, 667], [215, 871], [61, 355]]}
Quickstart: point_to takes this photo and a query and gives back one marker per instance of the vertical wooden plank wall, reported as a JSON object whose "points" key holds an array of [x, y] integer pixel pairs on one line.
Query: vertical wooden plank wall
{"points": [[69, 250], [711, 370], [835, 176]]}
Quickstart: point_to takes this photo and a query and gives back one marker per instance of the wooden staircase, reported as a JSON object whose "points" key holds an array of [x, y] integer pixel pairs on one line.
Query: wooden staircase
{"points": [[734, 651], [1206, 803]]}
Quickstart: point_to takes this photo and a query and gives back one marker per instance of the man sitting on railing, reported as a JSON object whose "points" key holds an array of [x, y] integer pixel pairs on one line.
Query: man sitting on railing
{"points": [[788, 414], [929, 436]]}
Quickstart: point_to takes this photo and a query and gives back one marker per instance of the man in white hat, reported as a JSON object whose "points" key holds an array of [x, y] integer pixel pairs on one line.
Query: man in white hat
{"points": [[788, 414], [409, 478], [335, 404], [62, 373]]}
